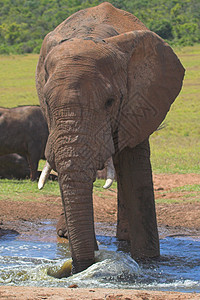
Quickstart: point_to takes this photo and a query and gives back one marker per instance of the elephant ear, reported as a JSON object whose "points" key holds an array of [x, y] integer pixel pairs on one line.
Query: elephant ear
{"points": [[154, 79]]}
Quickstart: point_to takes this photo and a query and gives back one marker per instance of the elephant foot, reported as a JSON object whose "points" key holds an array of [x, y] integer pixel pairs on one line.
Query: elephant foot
{"points": [[81, 266], [61, 227]]}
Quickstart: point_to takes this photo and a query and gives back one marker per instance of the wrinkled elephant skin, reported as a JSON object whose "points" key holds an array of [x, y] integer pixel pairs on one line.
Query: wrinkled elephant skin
{"points": [[24, 130], [105, 83]]}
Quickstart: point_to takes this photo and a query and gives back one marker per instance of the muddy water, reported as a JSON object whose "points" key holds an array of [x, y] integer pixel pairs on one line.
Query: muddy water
{"points": [[25, 260]]}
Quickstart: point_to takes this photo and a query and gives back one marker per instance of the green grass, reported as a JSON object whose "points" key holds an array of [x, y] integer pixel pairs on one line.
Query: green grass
{"points": [[17, 80], [174, 149], [189, 193], [26, 190], [99, 183], [190, 198], [187, 188], [99, 191]]}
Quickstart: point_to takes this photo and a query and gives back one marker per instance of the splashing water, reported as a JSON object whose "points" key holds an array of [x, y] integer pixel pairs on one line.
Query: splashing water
{"points": [[26, 263]]}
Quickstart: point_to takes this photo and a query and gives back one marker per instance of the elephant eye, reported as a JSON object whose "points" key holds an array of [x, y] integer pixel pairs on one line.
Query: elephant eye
{"points": [[109, 103]]}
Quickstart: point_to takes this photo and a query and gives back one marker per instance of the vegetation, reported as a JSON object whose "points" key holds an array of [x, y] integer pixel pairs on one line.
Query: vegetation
{"points": [[189, 194], [17, 84], [174, 148], [24, 23], [26, 190]]}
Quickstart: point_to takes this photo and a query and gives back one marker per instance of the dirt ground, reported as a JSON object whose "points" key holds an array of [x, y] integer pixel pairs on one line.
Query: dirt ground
{"points": [[181, 217]]}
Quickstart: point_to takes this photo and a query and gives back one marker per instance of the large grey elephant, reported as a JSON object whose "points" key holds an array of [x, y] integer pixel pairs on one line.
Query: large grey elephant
{"points": [[105, 83], [24, 130]]}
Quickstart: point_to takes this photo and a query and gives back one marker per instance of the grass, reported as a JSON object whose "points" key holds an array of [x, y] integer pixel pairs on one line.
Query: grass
{"points": [[187, 188], [99, 191], [190, 198], [189, 193], [26, 190], [17, 80], [174, 149]]}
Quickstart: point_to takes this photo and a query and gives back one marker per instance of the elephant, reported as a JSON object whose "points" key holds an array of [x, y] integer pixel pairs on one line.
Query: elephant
{"points": [[14, 166], [105, 83], [24, 130]]}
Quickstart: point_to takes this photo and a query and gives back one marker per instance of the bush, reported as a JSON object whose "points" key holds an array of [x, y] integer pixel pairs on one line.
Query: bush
{"points": [[20, 20], [163, 28], [4, 49]]}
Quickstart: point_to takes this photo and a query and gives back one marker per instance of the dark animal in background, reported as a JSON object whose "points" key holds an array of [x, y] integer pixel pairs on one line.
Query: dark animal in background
{"points": [[14, 166], [23, 130]]}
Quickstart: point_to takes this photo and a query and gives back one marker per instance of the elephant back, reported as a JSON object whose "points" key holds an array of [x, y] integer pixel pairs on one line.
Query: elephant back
{"points": [[104, 13], [98, 22]]}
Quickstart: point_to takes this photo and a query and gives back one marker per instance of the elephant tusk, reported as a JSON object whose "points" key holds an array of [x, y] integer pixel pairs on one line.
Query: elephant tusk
{"points": [[110, 173], [44, 175]]}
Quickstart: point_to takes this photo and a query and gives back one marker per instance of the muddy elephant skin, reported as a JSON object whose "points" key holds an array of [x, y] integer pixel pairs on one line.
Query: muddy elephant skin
{"points": [[105, 83], [24, 130]]}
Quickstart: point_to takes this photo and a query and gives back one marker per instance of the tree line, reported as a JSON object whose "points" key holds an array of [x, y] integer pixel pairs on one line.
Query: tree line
{"points": [[24, 23]]}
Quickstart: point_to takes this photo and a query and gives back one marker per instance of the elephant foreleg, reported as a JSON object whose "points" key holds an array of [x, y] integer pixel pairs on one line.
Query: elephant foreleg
{"points": [[122, 218], [136, 201], [33, 167]]}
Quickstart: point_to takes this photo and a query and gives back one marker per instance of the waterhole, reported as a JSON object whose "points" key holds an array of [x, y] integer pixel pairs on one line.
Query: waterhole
{"points": [[25, 260]]}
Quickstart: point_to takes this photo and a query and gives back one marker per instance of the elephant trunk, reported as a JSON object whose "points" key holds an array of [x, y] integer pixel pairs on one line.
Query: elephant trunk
{"points": [[76, 176]]}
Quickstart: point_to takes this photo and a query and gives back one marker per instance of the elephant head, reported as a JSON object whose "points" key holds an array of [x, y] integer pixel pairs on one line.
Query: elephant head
{"points": [[103, 85]]}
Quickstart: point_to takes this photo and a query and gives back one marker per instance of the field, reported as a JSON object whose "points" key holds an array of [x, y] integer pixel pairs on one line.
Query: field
{"points": [[175, 148], [175, 161]]}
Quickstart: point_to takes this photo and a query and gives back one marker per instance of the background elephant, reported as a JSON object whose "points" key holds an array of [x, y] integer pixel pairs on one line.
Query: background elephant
{"points": [[14, 166], [23, 130], [105, 83]]}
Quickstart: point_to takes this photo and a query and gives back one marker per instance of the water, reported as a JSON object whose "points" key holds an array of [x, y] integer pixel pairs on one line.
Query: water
{"points": [[25, 263]]}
